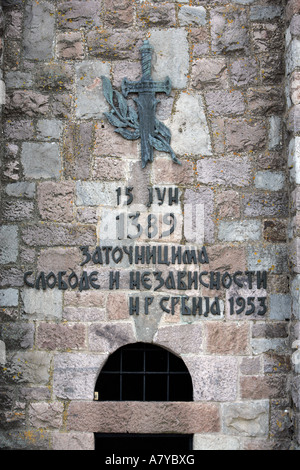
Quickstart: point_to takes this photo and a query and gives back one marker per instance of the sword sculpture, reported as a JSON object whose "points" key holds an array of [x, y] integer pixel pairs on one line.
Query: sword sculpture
{"points": [[144, 125]]}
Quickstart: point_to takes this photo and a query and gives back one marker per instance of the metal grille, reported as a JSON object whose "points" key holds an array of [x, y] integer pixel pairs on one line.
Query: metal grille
{"points": [[144, 372]]}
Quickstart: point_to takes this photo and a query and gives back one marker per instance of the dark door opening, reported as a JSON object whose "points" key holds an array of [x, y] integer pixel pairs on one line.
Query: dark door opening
{"points": [[144, 372], [137, 442]]}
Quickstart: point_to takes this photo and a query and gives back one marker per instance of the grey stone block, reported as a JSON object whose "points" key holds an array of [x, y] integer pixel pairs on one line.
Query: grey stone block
{"points": [[41, 160], [9, 297], [39, 24], [90, 101], [240, 230], [9, 245]]}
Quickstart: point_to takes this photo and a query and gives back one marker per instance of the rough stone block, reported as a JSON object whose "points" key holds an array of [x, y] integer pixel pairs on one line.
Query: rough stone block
{"points": [[92, 193], [243, 135], [224, 171], [75, 375], [193, 139], [52, 336], [38, 36], [57, 235], [267, 37], [78, 14], [17, 210], [77, 146], [214, 377], [265, 204], [227, 339], [229, 30], [268, 12], [208, 72], [26, 103], [165, 44], [107, 337], [280, 307], [117, 308], [109, 143], [114, 45], [49, 129], [73, 441], [269, 180], [151, 417], [9, 244], [259, 388], [41, 160], [204, 198], [265, 101], [244, 71], [216, 442], [59, 259], [32, 367], [293, 56], [240, 230], [90, 102], [166, 172], [109, 169], [275, 132], [69, 46], [55, 201], [271, 257], [192, 16], [42, 305], [161, 16], [46, 415], [228, 204], [225, 102], [181, 339], [9, 297], [246, 419]]}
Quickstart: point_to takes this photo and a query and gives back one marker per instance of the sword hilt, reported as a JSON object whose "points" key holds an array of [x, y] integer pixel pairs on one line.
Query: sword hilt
{"points": [[146, 53]]}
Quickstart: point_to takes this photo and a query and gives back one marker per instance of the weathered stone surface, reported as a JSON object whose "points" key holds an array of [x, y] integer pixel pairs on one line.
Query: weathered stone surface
{"points": [[117, 308], [55, 201], [268, 12], [224, 170], [41, 160], [9, 244], [114, 45], [77, 146], [142, 417], [9, 298], [271, 257], [180, 339], [109, 169], [69, 46], [109, 143], [31, 367], [161, 16], [13, 211], [259, 388], [192, 139], [275, 230], [208, 72], [267, 37], [265, 101], [165, 44], [166, 172], [56, 235], [244, 71], [18, 336], [39, 23], [46, 415], [229, 30], [247, 419], [78, 14], [42, 305], [214, 377], [192, 16], [269, 180], [91, 193], [225, 102], [227, 339], [53, 336], [26, 102], [265, 204], [280, 306], [240, 230], [54, 77], [90, 102], [59, 259], [107, 337], [245, 135], [203, 199], [228, 204], [75, 375], [73, 441]]}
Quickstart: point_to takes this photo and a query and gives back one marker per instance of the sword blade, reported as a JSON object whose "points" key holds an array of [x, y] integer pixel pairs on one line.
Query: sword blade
{"points": [[146, 108]]}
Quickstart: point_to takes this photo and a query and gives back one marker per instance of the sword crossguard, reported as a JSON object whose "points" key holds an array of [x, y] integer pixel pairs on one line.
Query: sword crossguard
{"points": [[146, 86]]}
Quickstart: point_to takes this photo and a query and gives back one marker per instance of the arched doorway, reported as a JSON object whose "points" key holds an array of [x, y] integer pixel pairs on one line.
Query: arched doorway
{"points": [[144, 372]]}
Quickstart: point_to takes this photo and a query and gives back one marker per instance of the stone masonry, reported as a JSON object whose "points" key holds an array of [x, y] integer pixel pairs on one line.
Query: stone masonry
{"points": [[234, 114]]}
